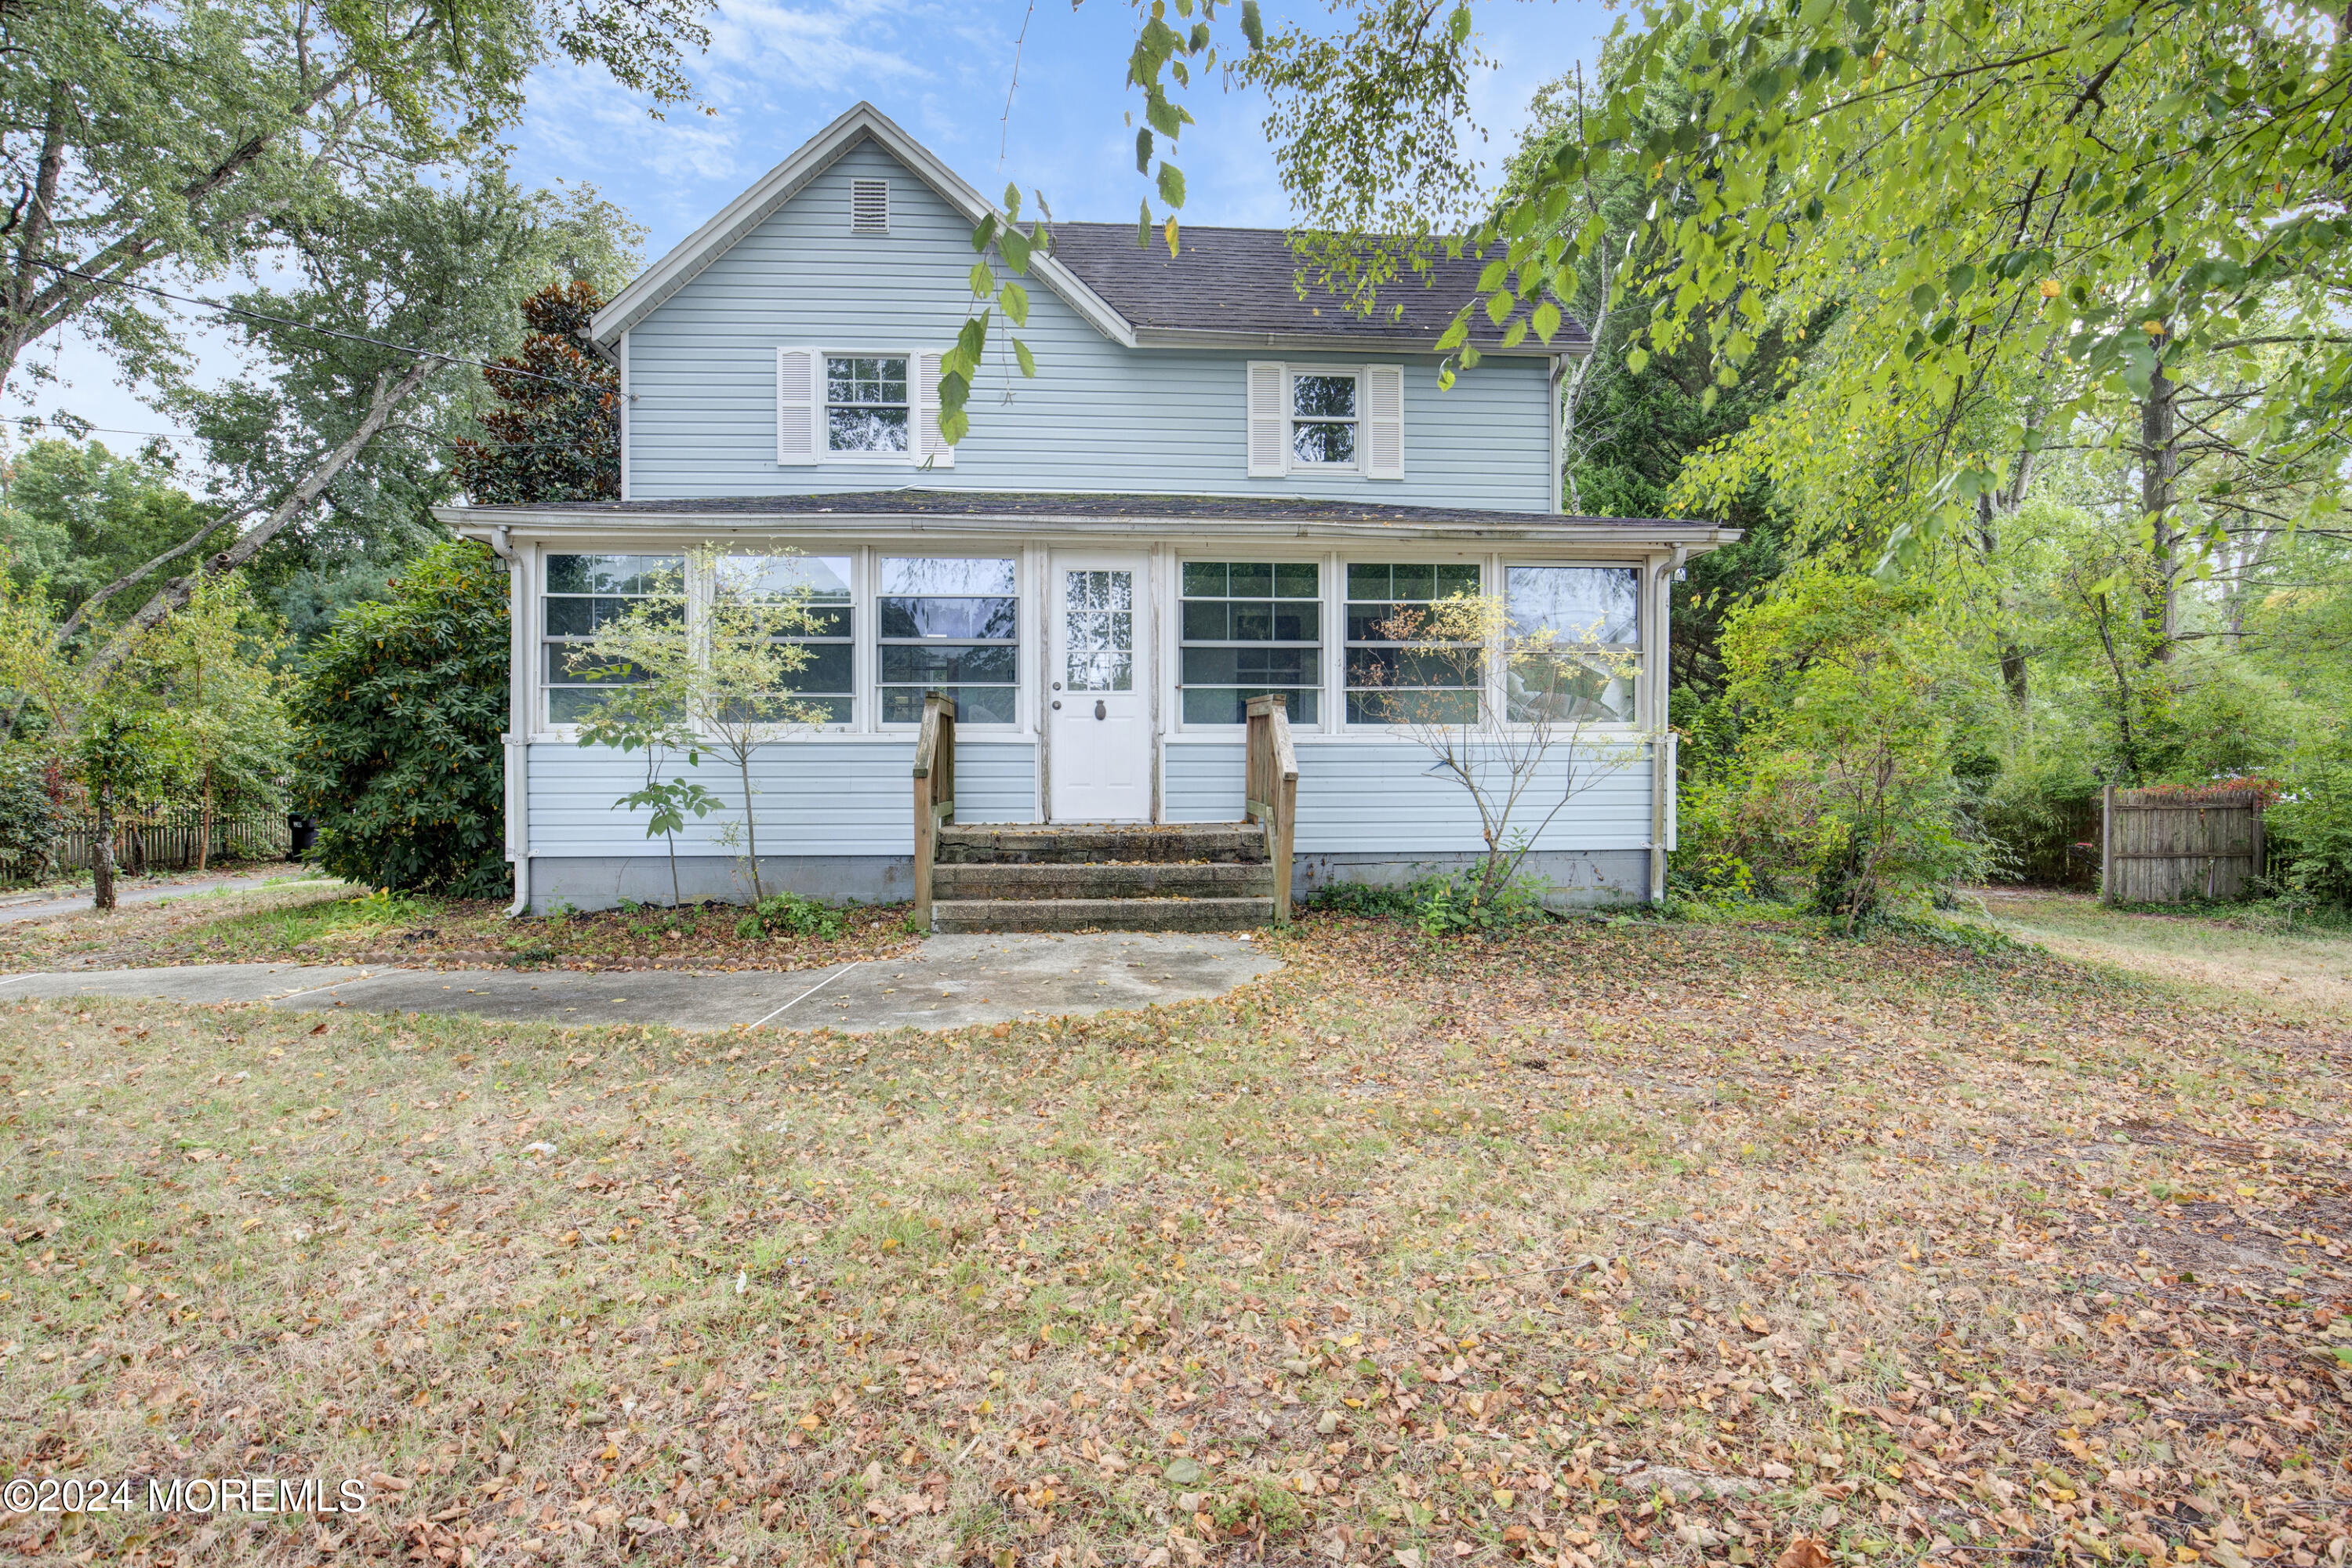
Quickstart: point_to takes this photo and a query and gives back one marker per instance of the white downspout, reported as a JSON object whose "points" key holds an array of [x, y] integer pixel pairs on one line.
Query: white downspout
{"points": [[516, 738], [1662, 751]]}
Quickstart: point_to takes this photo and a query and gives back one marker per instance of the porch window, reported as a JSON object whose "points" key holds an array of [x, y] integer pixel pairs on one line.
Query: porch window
{"points": [[585, 592], [950, 622], [1387, 684], [826, 684], [1577, 637], [865, 407], [1250, 627]]}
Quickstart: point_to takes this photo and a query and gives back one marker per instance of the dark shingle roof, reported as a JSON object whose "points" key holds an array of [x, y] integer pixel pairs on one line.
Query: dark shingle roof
{"points": [[1245, 280], [1045, 505]]}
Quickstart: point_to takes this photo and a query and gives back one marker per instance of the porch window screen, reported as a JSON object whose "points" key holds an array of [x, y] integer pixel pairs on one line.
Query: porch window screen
{"points": [[585, 592], [951, 623], [1389, 683], [1250, 627], [825, 684], [1576, 632]]}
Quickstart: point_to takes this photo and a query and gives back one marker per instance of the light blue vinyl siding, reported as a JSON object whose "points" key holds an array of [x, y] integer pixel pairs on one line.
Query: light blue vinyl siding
{"points": [[814, 797], [1369, 796], [1098, 417]]}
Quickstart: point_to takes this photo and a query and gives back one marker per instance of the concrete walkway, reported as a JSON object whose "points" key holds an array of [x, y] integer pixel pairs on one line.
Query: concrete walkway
{"points": [[127, 890], [951, 982]]}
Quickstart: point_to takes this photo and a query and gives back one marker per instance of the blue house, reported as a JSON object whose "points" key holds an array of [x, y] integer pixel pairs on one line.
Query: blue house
{"points": [[1146, 588]]}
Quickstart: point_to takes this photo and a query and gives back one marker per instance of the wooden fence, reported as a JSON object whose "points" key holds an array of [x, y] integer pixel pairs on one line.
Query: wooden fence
{"points": [[2162, 845], [164, 840]]}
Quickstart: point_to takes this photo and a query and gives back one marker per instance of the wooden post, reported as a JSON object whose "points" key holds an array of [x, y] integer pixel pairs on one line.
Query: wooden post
{"points": [[1270, 789], [934, 794], [2107, 845]]}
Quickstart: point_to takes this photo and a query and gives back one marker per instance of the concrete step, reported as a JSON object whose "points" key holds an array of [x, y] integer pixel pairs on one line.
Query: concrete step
{"points": [[1105, 880], [1105, 914], [1021, 844]]}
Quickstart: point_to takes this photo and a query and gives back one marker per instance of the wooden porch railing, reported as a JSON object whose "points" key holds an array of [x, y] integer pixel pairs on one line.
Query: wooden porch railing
{"points": [[1270, 790], [934, 792]]}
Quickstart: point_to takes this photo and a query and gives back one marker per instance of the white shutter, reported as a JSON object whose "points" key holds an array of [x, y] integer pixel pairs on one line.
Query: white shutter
{"points": [[799, 404], [1384, 421], [929, 445], [1269, 420]]}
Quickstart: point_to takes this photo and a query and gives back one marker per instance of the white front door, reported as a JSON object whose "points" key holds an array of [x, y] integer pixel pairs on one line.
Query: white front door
{"points": [[1098, 689]]}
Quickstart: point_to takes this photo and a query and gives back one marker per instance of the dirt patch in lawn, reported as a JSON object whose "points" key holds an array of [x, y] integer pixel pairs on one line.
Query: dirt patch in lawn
{"points": [[1607, 1245], [331, 923]]}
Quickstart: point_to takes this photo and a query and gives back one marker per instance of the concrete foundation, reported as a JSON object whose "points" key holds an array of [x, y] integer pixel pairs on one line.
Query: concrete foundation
{"points": [[1580, 878]]}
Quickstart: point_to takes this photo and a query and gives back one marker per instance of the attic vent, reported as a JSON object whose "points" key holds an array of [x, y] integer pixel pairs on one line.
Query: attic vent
{"points": [[869, 206]]}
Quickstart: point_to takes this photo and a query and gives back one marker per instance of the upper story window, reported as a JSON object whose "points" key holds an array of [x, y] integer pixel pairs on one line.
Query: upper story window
{"points": [[1250, 627], [1576, 635], [1396, 680], [825, 683], [866, 405], [1326, 420], [584, 594], [860, 406], [869, 206], [951, 623]]}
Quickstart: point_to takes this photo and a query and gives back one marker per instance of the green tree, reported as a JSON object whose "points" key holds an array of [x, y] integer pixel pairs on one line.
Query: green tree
{"points": [[76, 515], [140, 140], [641, 715], [215, 668], [557, 435], [398, 715], [114, 754]]}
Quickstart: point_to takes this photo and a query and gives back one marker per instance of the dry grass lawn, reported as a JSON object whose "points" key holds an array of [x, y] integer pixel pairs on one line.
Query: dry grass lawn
{"points": [[1614, 1245]]}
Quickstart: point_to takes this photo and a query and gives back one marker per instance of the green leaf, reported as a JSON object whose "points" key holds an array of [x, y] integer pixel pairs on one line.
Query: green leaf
{"points": [[1184, 1472], [984, 281], [1458, 23], [1637, 361], [1028, 361], [1143, 149], [1500, 305], [1547, 320], [1143, 226], [1253, 25], [1016, 300], [1012, 200], [1161, 113], [973, 337], [1172, 184], [1924, 297], [984, 232], [1014, 247]]}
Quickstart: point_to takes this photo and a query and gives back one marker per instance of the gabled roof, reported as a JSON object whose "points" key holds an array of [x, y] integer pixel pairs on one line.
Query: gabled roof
{"points": [[1241, 285], [1226, 287]]}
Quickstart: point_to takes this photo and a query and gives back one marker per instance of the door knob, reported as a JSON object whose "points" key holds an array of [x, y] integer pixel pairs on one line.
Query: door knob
{"points": [[1100, 712]]}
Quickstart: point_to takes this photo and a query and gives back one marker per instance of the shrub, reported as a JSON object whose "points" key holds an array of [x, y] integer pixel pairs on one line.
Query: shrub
{"points": [[400, 711], [1462, 902], [1374, 900], [29, 819], [791, 914], [2315, 821]]}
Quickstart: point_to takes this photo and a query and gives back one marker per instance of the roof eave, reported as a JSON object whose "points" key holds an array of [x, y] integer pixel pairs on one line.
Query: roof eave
{"points": [[653, 286], [1216, 338]]}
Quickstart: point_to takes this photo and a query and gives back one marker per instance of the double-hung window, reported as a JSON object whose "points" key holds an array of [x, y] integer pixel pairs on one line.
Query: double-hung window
{"points": [[1576, 643], [583, 594], [1250, 627], [951, 623], [1325, 421], [1397, 673], [1323, 416], [866, 407], [825, 684]]}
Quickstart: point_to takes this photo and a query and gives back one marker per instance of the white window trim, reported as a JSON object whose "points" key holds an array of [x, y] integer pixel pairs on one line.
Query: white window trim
{"points": [[1172, 616], [1377, 386], [864, 699], [924, 448], [1023, 673]]}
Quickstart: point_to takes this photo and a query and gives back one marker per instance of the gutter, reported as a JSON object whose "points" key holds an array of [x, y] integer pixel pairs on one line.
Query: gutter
{"points": [[517, 749]]}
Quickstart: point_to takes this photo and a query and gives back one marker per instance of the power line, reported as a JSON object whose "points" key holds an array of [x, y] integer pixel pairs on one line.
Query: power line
{"points": [[69, 425], [244, 314]]}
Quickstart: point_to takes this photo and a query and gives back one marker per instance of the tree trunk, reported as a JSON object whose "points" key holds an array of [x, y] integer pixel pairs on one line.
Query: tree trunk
{"points": [[382, 402], [675, 900], [2160, 466], [751, 828], [205, 822], [101, 854]]}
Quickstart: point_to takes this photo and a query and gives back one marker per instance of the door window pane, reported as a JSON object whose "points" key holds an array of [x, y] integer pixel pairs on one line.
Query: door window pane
{"points": [[585, 592], [1098, 631], [823, 684], [950, 624], [1250, 629], [1387, 682], [1576, 636]]}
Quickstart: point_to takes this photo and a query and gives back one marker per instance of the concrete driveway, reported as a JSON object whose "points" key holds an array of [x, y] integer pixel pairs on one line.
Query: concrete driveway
{"points": [[950, 982]]}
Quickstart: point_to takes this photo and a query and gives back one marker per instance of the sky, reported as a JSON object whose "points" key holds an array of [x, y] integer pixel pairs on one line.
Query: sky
{"points": [[777, 71]]}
